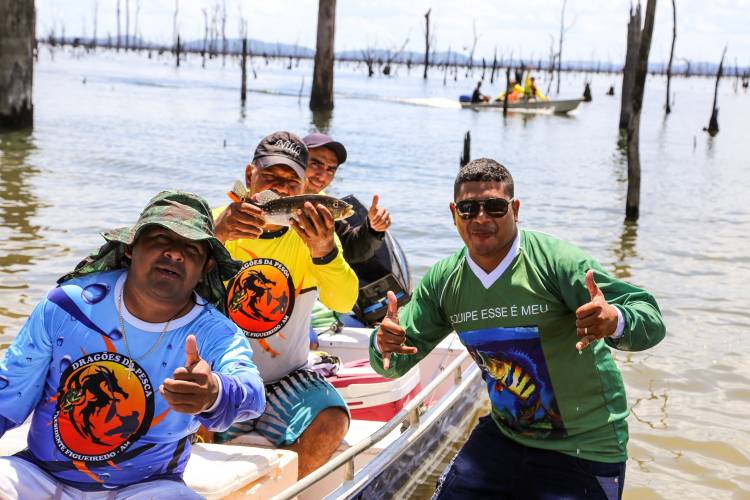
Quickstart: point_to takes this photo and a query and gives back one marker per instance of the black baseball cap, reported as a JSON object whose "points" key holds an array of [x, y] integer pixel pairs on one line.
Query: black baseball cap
{"points": [[282, 148], [318, 140]]}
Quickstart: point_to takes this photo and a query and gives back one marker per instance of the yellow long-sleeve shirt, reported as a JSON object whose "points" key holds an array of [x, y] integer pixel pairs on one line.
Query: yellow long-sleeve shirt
{"points": [[272, 297]]}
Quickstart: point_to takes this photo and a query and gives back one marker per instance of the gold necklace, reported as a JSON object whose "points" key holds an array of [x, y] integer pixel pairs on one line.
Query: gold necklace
{"points": [[131, 366]]}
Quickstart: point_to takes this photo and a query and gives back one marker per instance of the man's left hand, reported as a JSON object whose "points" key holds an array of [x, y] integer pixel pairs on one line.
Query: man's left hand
{"points": [[379, 218], [192, 388], [315, 226], [596, 319]]}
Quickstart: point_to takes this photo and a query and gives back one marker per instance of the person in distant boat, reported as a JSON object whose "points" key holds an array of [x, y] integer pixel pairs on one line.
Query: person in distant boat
{"points": [[124, 360], [359, 242], [539, 317], [477, 95], [531, 91], [305, 413], [516, 92]]}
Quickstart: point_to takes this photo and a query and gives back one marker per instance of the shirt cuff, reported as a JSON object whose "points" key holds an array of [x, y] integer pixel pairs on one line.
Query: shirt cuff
{"points": [[620, 325], [218, 397], [326, 258]]}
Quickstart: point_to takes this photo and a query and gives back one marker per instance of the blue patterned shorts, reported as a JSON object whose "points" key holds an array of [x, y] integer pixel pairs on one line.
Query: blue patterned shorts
{"points": [[292, 404]]}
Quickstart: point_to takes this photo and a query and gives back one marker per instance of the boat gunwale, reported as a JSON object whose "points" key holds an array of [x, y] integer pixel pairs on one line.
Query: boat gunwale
{"points": [[455, 367]]}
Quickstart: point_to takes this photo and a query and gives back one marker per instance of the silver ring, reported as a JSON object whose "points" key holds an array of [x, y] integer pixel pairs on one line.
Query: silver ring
{"points": [[585, 330]]}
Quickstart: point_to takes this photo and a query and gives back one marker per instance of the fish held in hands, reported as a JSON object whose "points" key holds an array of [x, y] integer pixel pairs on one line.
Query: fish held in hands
{"points": [[277, 210]]}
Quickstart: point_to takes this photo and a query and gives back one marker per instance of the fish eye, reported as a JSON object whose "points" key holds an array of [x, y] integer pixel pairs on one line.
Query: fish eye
{"points": [[335, 204]]}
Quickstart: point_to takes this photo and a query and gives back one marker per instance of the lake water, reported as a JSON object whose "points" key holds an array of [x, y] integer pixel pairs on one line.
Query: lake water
{"points": [[112, 130]]}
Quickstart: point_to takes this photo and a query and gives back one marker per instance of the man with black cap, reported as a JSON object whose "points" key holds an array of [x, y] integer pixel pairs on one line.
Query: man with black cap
{"points": [[125, 359], [359, 242], [271, 299]]}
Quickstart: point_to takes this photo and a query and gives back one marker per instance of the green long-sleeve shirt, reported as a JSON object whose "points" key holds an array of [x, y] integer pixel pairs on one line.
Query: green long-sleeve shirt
{"points": [[520, 329]]}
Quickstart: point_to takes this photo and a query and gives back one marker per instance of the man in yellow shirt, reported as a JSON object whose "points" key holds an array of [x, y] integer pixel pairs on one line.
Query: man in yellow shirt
{"points": [[285, 270]]}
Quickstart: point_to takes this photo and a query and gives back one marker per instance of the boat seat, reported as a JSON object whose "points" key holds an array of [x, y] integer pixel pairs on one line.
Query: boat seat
{"points": [[215, 470], [218, 471]]}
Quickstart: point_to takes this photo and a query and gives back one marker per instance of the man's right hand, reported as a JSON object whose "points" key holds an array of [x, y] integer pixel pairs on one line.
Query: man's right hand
{"points": [[391, 336], [240, 220]]}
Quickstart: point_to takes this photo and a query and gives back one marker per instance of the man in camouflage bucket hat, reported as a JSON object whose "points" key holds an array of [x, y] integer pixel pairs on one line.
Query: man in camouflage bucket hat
{"points": [[187, 215], [91, 356]]}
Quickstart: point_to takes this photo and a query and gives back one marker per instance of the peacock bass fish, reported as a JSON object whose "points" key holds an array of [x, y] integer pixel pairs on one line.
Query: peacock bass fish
{"points": [[277, 210]]}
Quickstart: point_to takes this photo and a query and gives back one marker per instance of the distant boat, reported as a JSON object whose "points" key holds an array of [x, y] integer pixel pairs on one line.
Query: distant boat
{"points": [[560, 106]]}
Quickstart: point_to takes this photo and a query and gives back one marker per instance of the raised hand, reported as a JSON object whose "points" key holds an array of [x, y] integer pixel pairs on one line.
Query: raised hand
{"points": [[192, 388], [379, 218], [240, 220], [596, 319], [391, 336], [314, 225]]}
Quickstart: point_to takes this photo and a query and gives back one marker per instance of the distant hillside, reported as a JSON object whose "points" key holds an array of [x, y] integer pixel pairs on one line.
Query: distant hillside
{"points": [[257, 47], [404, 57], [268, 49]]}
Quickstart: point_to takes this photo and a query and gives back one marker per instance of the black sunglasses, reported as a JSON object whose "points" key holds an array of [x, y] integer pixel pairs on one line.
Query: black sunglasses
{"points": [[494, 207]]}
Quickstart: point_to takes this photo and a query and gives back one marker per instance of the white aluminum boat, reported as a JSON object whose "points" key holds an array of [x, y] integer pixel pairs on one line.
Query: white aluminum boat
{"points": [[559, 106]]}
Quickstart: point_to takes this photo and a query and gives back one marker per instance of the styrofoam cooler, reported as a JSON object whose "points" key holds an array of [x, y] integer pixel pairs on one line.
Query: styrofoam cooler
{"points": [[370, 396]]}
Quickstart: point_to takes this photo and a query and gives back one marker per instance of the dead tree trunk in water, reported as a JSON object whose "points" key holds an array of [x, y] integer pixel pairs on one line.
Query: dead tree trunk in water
{"points": [[631, 61], [224, 32], [466, 155], [667, 107], [118, 26], [127, 25], [134, 41], [632, 204], [426, 42], [17, 35], [243, 89], [96, 22], [559, 50], [321, 96], [177, 51], [713, 123], [494, 67], [507, 91], [587, 93]]}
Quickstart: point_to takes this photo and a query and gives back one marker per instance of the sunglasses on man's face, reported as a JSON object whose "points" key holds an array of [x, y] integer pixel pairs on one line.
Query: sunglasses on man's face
{"points": [[494, 207]]}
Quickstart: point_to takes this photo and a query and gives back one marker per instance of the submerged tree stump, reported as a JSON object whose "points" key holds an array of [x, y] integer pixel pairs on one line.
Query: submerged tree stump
{"points": [[243, 65], [17, 38], [587, 93], [633, 199], [466, 155], [321, 96], [713, 122], [631, 61], [667, 106]]}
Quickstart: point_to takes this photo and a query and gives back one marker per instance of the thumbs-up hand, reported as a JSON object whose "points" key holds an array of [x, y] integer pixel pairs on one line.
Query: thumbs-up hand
{"points": [[390, 336], [379, 218], [596, 319], [193, 388]]}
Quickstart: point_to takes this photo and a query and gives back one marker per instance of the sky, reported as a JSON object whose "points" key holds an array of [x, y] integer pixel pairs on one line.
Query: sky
{"points": [[594, 29]]}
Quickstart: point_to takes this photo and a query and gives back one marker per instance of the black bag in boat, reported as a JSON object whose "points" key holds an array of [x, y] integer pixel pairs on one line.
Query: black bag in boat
{"points": [[386, 270]]}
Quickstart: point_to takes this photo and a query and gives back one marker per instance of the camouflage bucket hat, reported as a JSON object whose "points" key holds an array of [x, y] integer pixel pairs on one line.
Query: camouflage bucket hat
{"points": [[186, 214]]}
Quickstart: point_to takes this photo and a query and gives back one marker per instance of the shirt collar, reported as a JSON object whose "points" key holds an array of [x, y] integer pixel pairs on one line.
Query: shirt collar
{"points": [[488, 279]]}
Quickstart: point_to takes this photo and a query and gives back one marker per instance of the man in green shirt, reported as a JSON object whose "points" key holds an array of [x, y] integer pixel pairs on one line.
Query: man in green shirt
{"points": [[538, 316]]}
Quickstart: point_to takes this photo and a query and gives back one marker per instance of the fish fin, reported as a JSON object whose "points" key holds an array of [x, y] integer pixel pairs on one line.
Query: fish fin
{"points": [[266, 196], [239, 191]]}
